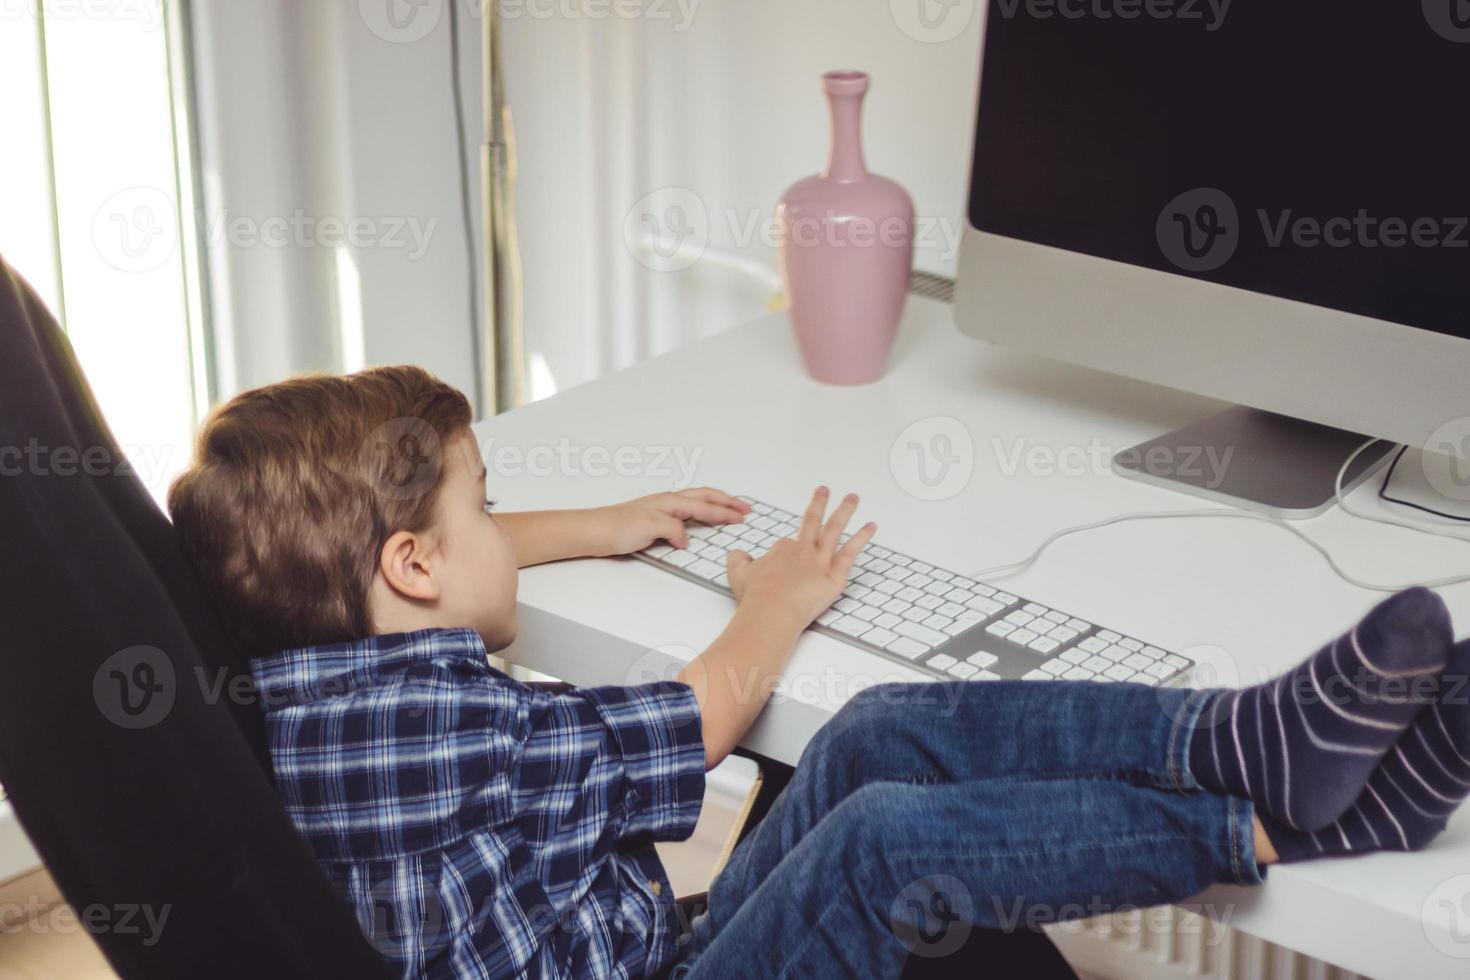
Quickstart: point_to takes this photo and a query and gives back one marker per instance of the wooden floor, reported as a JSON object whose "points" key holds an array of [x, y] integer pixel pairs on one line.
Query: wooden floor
{"points": [[40, 937]]}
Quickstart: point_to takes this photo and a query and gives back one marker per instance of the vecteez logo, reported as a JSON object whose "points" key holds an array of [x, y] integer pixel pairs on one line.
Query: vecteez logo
{"points": [[1449, 18], [1201, 229]]}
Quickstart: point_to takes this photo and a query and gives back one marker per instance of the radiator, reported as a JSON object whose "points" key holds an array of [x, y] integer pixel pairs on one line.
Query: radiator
{"points": [[1169, 943]]}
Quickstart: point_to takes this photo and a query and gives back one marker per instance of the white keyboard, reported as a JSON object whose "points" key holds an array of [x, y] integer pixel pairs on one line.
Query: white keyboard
{"points": [[931, 618]]}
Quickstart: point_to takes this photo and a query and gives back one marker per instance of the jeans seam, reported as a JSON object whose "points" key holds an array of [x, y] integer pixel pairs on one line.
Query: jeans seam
{"points": [[1188, 715]]}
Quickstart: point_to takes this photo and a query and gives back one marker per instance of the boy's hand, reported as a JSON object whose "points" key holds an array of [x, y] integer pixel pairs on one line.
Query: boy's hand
{"points": [[632, 526], [805, 574]]}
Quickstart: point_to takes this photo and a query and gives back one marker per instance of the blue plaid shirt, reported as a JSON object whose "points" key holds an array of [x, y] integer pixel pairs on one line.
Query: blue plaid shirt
{"points": [[478, 826]]}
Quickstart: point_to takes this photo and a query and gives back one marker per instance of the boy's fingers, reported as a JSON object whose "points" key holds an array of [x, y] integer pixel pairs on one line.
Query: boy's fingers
{"points": [[691, 508], [674, 532], [832, 530], [811, 521], [737, 559], [849, 552], [713, 496]]}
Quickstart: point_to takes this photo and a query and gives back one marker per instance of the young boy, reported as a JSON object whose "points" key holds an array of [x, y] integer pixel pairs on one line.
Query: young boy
{"points": [[507, 829]]}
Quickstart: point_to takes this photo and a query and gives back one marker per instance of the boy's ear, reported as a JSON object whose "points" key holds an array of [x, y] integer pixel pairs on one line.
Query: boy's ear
{"points": [[405, 565]]}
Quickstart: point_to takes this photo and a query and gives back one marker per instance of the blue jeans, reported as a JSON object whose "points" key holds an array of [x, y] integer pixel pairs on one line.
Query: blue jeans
{"points": [[922, 810]]}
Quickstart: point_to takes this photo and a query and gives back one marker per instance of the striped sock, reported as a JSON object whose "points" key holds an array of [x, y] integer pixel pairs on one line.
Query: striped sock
{"points": [[1410, 796], [1301, 747]]}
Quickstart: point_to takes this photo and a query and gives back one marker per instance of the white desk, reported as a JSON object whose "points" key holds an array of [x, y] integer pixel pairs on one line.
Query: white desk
{"points": [[1244, 597]]}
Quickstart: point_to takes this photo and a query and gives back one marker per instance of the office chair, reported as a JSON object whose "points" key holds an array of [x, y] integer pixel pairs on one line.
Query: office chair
{"points": [[171, 807], [130, 745]]}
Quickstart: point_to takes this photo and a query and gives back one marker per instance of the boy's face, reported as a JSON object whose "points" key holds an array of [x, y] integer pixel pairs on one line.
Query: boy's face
{"points": [[477, 561]]}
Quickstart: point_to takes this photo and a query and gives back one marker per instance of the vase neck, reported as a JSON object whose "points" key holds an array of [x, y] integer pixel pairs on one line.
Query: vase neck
{"points": [[846, 161]]}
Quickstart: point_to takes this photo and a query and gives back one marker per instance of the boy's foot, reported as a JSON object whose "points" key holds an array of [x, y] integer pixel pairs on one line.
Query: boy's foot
{"points": [[1302, 747], [1410, 796]]}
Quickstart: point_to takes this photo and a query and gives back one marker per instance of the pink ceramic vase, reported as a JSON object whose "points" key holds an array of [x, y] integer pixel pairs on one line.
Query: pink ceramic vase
{"points": [[847, 251]]}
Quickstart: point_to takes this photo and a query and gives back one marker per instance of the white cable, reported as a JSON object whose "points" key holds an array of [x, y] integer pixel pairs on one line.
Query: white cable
{"points": [[1014, 568], [1422, 528]]}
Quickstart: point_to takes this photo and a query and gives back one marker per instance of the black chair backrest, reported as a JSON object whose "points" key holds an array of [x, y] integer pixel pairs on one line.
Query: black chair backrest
{"points": [[133, 756]]}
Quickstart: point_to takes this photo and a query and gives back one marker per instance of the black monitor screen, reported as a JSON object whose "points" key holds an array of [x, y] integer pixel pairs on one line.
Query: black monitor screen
{"points": [[1317, 150]]}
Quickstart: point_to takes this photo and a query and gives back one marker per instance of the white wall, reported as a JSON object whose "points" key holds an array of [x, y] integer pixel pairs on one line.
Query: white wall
{"points": [[727, 105], [303, 110], [333, 106]]}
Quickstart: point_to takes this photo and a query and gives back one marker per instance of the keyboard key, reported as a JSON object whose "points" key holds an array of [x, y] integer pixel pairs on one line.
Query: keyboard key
{"points": [[1093, 644], [987, 606], [887, 587], [887, 621], [956, 627], [847, 605], [896, 606], [1037, 675], [918, 581], [1063, 634], [1131, 644], [868, 613], [1073, 656], [1158, 670], [1080, 625], [1056, 617], [921, 633], [1175, 661], [964, 671], [1118, 672], [1005, 598], [964, 583], [930, 602], [870, 580], [939, 589], [1097, 665], [1021, 637], [1109, 635], [879, 637], [938, 622], [905, 647], [1138, 661], [908, 594], [1078, 674], [1056, 668], [829, 617], [659, 551], [941, 662], [1153, 653], [982, 659], [915, 614], [921, 566], [950, 609], [681, 559], [1036, 609], [1043, 644], [969, 617], [1019, 618], [1001, 628], [940, 574], [851, 625], [1116, 653], [879, 551], [705, 568]]}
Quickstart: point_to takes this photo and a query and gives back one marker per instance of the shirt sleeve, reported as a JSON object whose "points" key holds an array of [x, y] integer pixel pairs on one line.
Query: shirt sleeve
{"points": [[656, 732]]}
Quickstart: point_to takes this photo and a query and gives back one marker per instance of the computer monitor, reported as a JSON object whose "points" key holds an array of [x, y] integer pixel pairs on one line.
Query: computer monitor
{"points": [[1262, 201]]}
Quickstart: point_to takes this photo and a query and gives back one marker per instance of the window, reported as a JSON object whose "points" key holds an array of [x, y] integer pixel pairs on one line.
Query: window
{"points": [[96, 208]]}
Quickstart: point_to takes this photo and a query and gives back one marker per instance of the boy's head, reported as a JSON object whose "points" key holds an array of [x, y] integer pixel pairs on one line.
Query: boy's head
{"points": [[328, 509]]}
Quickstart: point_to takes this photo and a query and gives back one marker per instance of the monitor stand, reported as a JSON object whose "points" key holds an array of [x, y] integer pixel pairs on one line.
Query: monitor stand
{"points": [[1256, 460]]}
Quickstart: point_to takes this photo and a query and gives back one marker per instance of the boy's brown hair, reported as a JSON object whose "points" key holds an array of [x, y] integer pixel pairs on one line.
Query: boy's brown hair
{"points": [[294, 489]]}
